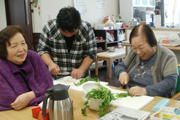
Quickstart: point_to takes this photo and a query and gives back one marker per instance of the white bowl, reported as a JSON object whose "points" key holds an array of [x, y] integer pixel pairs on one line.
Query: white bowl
{"points": [[88, 86], [94, 103], [111, 49]]}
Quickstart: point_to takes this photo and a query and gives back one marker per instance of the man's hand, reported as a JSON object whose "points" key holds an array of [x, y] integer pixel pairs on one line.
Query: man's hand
{"points": [[77, 73], [23, 100], [54, 69], [137, 91], [124, 78]]}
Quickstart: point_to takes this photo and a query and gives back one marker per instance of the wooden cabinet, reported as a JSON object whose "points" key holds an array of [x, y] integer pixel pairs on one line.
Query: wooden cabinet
{"points": [[111, 38], [101, 46], [104, 43]]}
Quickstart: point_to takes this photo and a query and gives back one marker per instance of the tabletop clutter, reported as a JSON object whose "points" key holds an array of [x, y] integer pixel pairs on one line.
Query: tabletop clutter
{"points": [[111, 23], [169, 40], [166, 113], [99, 97]]}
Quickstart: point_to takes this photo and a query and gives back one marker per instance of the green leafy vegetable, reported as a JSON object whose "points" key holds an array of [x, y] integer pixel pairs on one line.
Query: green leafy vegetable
{"points": [[99, 93], [84, 110], [83, 80], [122, 95]]}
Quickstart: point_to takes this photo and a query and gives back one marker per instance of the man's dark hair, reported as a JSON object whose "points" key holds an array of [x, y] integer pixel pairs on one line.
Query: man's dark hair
{"points": [[146, 31], [68, 19]]}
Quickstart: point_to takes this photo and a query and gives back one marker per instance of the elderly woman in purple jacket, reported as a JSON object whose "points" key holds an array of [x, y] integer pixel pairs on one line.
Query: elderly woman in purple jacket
{"points": [[24, 78]]}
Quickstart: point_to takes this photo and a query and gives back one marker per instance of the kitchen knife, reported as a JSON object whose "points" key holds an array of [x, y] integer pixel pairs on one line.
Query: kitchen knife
{"points": [[127, 89], [61, 74]]}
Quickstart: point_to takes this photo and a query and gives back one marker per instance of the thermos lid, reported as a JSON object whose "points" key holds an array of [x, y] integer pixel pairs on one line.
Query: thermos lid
{"points": [[58, 92]]}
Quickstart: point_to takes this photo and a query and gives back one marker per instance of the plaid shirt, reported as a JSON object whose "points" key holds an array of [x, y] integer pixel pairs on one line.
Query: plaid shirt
{"points": [[52, 42]]}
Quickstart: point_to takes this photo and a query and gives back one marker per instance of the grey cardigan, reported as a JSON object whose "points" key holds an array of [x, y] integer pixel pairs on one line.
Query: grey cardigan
{"points": [[165, 64]]}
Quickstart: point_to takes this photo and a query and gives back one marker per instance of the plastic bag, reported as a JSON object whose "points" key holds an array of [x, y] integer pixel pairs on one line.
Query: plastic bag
{"points": [[110, 37], [109, 23]]}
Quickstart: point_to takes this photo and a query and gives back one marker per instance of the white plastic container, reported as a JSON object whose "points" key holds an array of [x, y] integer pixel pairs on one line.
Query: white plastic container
{"points": [[119, 24], [94, 103], [157, 21], [100, 63]]}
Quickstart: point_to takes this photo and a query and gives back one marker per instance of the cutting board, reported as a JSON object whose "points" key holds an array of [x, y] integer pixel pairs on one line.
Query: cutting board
{"points": [[136, 102], [131, 102], [68, 80]]}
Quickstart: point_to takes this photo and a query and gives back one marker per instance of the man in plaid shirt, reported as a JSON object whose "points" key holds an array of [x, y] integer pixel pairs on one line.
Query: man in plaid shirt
{"points": [[67, 44]]}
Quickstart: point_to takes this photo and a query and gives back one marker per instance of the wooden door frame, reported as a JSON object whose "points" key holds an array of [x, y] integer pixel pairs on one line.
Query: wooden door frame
{"points": [[28, 32]]}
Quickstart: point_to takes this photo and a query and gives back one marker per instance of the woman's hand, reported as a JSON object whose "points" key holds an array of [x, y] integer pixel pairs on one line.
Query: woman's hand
{"points": [[137, 91], [124, 78], [77, 73], [23, 100], [54, 69]]}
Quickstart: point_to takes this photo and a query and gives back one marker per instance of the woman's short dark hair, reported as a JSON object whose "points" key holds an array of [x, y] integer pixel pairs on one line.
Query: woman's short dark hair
{"points": [[68, 19], [5, 35], [146, 31]]}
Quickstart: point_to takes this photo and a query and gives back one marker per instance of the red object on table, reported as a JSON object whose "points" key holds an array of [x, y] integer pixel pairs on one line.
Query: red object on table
{"points": [[165, 41], [45, 118], [124, 26], [99, 38], [35, 112], [111, 32]]}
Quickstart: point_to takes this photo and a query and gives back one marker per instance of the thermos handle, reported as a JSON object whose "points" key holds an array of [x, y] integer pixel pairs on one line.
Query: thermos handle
{"points": [[46, 96], [67, 86]]}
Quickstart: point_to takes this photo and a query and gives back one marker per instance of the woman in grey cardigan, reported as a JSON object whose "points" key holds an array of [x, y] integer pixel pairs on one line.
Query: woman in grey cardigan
{"points": [[149, 69]]}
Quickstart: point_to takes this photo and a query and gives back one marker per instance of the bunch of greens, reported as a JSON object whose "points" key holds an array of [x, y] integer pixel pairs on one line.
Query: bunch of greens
{"points": [[83, 80], [122, 95], [99, 93]]}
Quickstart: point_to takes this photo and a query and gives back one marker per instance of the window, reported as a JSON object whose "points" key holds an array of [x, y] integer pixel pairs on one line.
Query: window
{"points": [[172, 13]]}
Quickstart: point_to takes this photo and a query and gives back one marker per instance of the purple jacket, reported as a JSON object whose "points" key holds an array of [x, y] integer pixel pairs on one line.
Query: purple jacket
{"points": [[32, 75]]}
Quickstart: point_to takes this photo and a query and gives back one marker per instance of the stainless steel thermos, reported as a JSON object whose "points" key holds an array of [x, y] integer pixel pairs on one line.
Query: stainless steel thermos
{"points": [[60, 105]]}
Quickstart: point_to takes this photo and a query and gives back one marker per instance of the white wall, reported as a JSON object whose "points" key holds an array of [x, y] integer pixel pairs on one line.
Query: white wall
{"points": [[126, 10], [50, 8], [37, 17], [96, 15], [3, 22]]}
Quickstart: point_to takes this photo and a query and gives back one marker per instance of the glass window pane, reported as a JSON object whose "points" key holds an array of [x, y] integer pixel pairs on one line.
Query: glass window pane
{"points": [[136, 2], [144, 2]]}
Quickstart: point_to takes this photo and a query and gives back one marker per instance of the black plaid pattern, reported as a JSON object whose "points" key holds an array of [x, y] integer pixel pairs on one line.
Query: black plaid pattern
{"points": [[52, 42]]}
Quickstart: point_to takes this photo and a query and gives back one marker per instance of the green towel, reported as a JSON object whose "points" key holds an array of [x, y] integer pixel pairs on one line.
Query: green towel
{"points": [[178, 82]]}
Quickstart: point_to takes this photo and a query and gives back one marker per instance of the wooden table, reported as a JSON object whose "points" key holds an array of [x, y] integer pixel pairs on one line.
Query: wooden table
{"points": [[109, 56], [78, 102]]}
